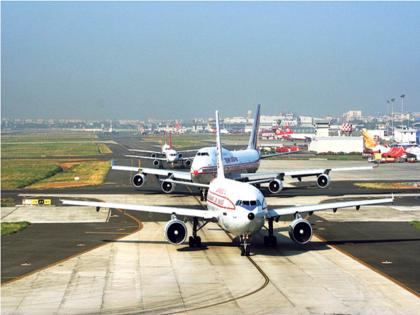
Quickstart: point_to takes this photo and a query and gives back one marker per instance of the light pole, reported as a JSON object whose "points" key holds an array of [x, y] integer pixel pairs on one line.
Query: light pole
{"points": [[402, 109], [392, 116]]}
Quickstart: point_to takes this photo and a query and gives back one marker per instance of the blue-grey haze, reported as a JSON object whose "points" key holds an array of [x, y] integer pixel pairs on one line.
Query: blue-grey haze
{"points": [[133, 60]]}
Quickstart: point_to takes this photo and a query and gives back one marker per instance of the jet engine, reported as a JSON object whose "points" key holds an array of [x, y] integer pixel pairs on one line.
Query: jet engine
{"points": [[153, 155], [156, 162], [179, 155], [187, 163], [323, 181], [138, 180], [275, 186], [300, 231], [175, 231], [167, 187]]}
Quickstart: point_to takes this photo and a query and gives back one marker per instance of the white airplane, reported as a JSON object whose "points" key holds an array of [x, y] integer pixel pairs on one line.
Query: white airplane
{"points": [[238, 208], [167, 154], [239, 165]]}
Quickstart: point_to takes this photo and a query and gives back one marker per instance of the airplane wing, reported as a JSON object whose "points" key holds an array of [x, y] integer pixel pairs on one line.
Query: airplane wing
{"points": [[266, 177], [182, 151], [154, 171], [145, 157], [266, 156], [324, 206], [179, 182], [204, 214], [144, 151]]}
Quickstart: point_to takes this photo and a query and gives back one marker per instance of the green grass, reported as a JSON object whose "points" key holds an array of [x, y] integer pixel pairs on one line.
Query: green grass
{"points": [[415, 224], [48, 136], [12, 227], [21, 173], [37, 150], [8, 202], [89, 173]]}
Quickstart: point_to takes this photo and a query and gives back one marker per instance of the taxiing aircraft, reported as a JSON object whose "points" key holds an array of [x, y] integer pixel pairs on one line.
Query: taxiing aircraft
{"points": [[240, 165], [168, 154], [238, 208]]}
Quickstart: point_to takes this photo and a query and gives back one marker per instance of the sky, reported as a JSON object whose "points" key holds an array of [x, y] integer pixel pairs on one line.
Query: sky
{"points": [[167, 60]]}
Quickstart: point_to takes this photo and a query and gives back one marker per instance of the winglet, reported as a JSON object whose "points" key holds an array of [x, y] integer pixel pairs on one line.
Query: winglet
{"points": [[220, 170], [253, 138]]}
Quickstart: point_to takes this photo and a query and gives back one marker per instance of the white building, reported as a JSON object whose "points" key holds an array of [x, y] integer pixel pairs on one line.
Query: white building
{"points": [[352, 115], [336, 144], [322, 128], [405, 135]]}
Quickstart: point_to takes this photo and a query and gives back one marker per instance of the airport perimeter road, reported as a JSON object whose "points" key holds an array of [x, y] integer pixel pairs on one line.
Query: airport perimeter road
{"points": [[142, 273]]}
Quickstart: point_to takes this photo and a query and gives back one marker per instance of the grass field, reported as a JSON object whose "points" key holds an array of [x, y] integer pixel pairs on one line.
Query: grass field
{"points": [[75, 174], [30, 150], [48, 136], [8, 202], [393, 185], [21, 173], [415, 224], [12, 227]]}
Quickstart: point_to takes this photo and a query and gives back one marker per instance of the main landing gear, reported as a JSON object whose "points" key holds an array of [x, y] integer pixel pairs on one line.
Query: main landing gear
{"points": [[195, 240], [245, 245], [203, 194], [270, 240]]}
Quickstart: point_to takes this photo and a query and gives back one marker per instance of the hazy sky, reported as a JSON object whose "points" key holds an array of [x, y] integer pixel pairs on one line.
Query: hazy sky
{"points": [[135, 60]]}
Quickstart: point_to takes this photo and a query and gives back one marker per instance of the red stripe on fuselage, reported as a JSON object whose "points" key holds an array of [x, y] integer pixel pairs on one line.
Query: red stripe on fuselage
{"points": [[223, 197]]}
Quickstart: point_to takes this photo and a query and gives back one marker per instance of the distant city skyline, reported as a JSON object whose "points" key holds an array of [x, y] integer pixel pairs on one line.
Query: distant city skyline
{"points": [[168, 60]]}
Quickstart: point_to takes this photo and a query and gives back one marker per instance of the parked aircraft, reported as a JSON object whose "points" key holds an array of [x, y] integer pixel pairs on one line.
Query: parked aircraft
{"points": [[288, 134], [372, 147], [238, 208], [239, 165], [168, 154]]}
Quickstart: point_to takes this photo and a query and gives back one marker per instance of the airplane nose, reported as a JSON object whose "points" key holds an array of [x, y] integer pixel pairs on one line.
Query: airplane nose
{"points": [[251, 216]]}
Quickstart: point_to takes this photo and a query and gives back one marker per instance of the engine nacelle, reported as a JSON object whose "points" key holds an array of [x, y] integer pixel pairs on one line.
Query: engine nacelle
{"points": [[275, 186], [156, 162], [300, 231], [153, 155], [167, 187], [138, 180], [179, 155], [176, 231], [187, 163], [323, 181]]}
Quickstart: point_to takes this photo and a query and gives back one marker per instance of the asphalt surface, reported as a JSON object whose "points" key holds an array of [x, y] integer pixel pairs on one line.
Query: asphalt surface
{"points": [[42, 244], [392, 248]]}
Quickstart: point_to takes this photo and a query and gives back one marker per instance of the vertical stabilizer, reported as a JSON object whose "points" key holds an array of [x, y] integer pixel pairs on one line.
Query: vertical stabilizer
{"points": [[368, 141], [170, 139], [220, 170], [253, 138]]}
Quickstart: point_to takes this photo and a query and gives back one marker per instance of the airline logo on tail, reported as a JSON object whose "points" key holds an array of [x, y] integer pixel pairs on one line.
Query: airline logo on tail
{"points": [[368, 141]]}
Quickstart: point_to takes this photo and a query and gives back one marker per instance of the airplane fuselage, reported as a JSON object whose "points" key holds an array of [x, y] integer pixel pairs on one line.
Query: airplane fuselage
{"points": [[203, 168], [241, 208]]}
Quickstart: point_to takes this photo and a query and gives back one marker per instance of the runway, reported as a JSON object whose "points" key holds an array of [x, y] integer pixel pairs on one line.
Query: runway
{"points": [[359, 262]]}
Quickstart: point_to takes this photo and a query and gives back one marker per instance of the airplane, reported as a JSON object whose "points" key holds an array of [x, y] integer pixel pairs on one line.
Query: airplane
{"points": [[167, 154], [240, 165], [238, 208], [373, 148], [288, 134]]}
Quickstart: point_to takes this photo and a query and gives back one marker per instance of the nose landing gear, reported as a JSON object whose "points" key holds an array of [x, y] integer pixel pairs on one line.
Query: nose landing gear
{"points": [[245, 245]]}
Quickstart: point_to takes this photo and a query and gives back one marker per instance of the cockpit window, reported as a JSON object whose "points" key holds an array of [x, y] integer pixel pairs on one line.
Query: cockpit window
{"points": [[173, 154], [202, 154], [248, 203]]}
